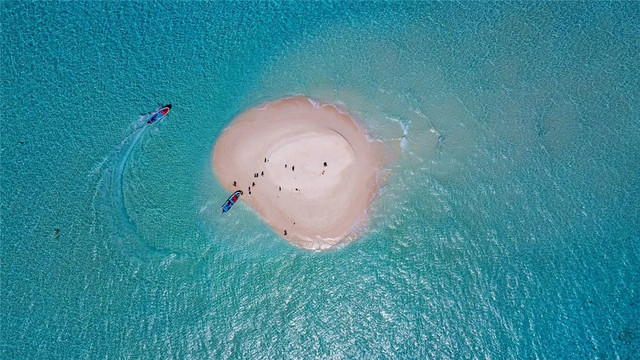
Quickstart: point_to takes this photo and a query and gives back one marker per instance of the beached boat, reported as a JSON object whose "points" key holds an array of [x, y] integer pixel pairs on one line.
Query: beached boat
{"points": [[158, 115], [232, 200]]}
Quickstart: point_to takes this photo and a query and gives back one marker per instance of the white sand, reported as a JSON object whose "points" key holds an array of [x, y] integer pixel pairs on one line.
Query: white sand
{"points": [[317, 210]]}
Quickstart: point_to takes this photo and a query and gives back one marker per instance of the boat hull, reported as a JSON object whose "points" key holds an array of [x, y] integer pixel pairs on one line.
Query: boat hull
{"points": [[231, 201], [159, 115]]}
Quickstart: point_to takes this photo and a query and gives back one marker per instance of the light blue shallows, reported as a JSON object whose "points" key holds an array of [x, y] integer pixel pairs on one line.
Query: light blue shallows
{"points": [[508, 228]]}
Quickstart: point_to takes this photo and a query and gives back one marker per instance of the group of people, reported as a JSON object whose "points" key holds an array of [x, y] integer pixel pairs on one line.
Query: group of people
{"points": [[261, 173]]}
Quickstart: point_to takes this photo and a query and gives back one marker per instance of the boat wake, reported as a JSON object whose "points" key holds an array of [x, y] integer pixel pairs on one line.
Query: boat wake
{"points": [[111, 219], [118, 174]]}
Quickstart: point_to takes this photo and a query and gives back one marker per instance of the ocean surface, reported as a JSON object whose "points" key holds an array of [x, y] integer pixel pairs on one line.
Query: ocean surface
{"points": [[508, 227]]}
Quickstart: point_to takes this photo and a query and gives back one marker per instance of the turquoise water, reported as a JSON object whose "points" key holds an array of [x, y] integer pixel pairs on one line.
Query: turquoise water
{"points": [[509, 226]]}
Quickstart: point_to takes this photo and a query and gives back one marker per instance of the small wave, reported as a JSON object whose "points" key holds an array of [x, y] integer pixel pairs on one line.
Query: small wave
{"points": [[405, 132], [341, 110], [316, 104]]}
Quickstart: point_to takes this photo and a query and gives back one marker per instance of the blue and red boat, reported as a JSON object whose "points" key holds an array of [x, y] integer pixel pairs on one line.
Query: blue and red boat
{"points": [[232, 200], [159, 115]]}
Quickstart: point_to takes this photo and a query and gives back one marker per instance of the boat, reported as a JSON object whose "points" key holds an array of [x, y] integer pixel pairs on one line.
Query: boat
{"points": [[232, 200], [159, 115]]}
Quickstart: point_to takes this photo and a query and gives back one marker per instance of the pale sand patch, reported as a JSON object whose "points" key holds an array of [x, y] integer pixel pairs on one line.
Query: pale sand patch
{"points": [[317, 210]]}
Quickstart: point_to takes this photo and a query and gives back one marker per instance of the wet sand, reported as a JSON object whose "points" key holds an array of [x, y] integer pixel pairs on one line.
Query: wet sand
{"points": [[276, 154]]}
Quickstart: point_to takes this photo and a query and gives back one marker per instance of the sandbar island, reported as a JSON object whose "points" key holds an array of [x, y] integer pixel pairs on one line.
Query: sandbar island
{"points": [[306, 167]]}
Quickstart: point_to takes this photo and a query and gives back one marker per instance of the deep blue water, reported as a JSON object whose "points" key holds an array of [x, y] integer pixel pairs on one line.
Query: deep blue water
{"points": [[509, 226]]}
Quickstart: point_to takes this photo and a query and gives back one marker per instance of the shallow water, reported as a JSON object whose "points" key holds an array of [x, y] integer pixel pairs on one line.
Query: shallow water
{"points": [[508, 227]]}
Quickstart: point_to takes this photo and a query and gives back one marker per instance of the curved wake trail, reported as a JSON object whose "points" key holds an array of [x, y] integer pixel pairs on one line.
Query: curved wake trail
{"points": [[119, 173], [110, 209]]}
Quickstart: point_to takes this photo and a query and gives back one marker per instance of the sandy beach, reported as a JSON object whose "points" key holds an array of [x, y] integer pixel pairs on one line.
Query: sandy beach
{"points": [[306, 167]]}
